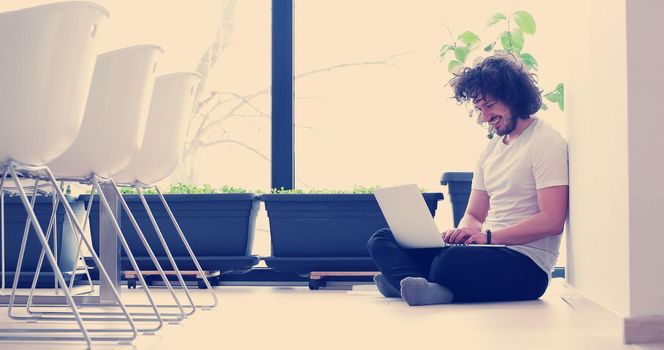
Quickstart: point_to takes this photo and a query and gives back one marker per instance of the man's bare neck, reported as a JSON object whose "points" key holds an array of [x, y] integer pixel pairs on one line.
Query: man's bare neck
{"points": [[521, 126]]}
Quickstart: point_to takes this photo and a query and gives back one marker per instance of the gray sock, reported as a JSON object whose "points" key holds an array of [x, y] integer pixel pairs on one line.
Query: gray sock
{"points": [[418, 291], [385, 288]]}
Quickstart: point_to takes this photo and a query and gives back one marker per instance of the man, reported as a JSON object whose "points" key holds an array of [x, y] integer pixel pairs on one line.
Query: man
{"points": [[519, 199]]}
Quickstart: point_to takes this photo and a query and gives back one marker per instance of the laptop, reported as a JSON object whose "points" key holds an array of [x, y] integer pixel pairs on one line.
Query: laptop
{"points": [[410, 220]]}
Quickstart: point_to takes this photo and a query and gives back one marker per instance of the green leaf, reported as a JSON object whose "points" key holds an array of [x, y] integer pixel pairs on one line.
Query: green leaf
{"points": [[557, 96], [461, 53], [561, 88], [445, 49], [554, 96], [453, 66], [517, 40], [529, 60], [469, 38], [489, 47], [495, 19], [512, 41], [506, 41], [544, 106], [525, 21]]}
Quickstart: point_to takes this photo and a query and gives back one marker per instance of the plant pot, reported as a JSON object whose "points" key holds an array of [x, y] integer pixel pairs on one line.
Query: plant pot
{"points": [[15, 218], [458, 186], [218, 227], [325, 232]]}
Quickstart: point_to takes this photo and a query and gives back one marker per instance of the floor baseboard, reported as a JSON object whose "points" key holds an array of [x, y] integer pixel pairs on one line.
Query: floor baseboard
{"points": [[593, 313], [631, 330], [644, 329]]}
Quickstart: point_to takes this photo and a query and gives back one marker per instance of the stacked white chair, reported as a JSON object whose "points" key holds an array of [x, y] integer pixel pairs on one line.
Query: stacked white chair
{"points": [[170, 111], [46, 64], [110, 138]]}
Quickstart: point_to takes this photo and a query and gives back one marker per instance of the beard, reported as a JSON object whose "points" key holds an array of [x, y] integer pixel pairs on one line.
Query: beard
{"points": [[506, 126]]}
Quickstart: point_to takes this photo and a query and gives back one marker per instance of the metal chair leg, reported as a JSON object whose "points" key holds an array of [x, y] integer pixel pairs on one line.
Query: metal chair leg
{"points": [[21, 254], [40, 235], [80, 245], [215, 300], [167, 251], [2, 227], [59, 275], [125, 246], [52, 223], [160, 319], [145, 243]]}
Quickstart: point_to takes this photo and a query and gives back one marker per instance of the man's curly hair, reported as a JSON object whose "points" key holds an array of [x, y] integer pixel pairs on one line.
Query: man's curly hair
{"points": [[503, 78]]}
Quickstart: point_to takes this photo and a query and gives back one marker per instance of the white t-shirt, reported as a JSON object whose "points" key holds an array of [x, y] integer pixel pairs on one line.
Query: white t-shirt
{"points": [[511, 175]]}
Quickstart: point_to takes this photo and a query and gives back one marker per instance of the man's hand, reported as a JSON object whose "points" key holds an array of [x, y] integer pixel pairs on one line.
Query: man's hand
{"points": [[464, 236]]}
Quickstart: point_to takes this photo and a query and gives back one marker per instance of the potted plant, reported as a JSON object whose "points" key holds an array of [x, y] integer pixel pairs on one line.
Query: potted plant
{"points": [[512, 38], [325, 230], [218, 224]]}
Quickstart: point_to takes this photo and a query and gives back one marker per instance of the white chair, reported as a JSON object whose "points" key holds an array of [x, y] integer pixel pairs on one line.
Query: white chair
{"points": [[170, 111], [163, 143], [46, 65], [48, 55], [110, 137], [115, 116], [122, 81]]}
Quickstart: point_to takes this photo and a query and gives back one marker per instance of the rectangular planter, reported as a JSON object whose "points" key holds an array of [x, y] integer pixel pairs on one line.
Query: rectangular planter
{"points": [[218, 227], [15, 218], [325, 232]]}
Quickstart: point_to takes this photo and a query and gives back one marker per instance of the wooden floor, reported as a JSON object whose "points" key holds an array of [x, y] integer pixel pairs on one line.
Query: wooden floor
{"points": [[260, 317]]}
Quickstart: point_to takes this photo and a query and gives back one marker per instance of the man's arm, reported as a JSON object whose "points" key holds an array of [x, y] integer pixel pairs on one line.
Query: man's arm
{"points": [[476, 211], [549, 221], [471, 223]]}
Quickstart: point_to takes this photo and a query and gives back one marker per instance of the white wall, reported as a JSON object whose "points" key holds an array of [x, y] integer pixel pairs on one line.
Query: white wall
{"points": [[615, 121], [598, 230], [646, 155]]}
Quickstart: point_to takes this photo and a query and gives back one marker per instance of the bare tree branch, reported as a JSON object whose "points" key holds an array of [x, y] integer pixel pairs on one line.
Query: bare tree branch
{"points": [[203, 129], [245, 100], [385, 61], [242, 144], [308, 97], [208, 122], [307, 127], [219, 45]]}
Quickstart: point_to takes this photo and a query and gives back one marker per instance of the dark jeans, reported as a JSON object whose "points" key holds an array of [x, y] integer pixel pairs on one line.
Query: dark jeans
{"points": [[472, 273]]}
